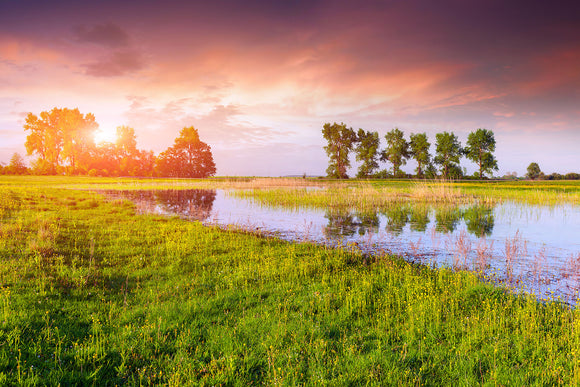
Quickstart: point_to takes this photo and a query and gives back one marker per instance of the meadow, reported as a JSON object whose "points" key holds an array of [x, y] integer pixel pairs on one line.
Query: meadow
{"points": [[93, 293]]}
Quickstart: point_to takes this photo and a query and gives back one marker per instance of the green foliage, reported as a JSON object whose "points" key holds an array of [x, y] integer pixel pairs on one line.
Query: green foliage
{"points": [[367, 151], [448, 153], [480, 148], [419, 150], [397, 151], [341, 141], [431, 171], [534, 171], [188, 157]]}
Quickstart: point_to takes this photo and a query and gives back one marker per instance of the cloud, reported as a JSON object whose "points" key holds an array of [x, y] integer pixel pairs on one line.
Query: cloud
{"points": [[504, 114], [221, 126], [117, 64], [107, 34]]}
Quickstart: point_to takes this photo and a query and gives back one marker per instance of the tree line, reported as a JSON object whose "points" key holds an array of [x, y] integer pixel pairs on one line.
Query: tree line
{"points": [[445, 163], [63, 141], [534, 172]]}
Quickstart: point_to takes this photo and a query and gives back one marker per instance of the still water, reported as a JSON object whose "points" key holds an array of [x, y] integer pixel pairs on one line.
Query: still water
{"points": [[530, 248]]}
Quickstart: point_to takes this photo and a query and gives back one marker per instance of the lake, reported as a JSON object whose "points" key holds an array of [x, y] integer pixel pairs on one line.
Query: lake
{"points": [[530, 248]]}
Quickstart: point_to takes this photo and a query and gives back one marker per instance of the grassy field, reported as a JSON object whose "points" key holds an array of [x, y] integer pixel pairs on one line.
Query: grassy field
{"points": [[91, 293]]}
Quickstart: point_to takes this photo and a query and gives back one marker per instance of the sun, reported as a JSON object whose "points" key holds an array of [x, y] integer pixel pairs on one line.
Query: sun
{"points": [[105, 135]]}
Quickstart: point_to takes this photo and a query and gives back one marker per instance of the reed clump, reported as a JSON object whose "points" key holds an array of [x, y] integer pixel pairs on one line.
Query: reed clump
{"points": [[439, 192]]}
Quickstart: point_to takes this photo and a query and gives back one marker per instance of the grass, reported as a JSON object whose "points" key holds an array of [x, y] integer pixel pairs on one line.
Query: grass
{"points": [[91, 293], [303, 192], [380, 194]]}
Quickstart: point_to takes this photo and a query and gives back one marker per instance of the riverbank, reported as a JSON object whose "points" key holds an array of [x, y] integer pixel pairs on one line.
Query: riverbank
{"points": [[93, 293]]}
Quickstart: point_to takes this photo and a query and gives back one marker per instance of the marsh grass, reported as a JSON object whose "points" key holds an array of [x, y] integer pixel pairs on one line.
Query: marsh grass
{"points": [[362, 196]]}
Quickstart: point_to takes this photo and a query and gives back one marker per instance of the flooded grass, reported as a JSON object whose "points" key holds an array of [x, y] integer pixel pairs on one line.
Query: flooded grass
{"points": [[438, 233], [92, 293]]}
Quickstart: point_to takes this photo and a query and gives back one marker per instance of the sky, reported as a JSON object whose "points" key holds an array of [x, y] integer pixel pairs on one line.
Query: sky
{"points": [[259, 78]]}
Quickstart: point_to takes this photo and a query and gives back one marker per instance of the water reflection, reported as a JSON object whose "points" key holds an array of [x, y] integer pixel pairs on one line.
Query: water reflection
{"points": [[397, 219], [479, 220], [343, 224], [447, 218], [419, 218], [192, 203]]}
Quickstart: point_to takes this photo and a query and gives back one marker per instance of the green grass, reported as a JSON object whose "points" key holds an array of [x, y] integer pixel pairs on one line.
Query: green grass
{"points": [[381, 194], [91, 293]]}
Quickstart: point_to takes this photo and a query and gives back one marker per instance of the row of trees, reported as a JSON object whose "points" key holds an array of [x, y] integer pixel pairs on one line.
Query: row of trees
{"points": [[63, 140], [342, 141], [534, 172]]}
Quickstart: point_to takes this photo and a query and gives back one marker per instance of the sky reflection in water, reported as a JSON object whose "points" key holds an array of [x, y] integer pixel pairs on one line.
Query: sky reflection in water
{"points": [[529, 247]]}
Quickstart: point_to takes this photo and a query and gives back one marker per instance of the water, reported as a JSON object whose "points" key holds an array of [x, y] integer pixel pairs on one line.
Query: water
{"points": [[530, 248]]}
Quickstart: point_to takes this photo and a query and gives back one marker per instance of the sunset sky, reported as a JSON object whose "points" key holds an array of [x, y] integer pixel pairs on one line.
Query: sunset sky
{"points": [[258, 78]]}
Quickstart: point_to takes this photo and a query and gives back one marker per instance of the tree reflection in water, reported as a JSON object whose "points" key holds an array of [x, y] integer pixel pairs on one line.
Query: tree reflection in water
{"points": [[397, 218], [479, 220], [344, 224], [198, 204], [419, 218], [447, 218], [368, 222], [190, 203]]}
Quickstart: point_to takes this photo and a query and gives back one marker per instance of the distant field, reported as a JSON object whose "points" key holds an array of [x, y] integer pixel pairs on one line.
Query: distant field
{"points": [[91, 293]]}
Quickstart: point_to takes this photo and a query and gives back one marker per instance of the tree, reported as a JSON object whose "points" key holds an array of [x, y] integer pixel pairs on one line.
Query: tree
{"points": [[397, 151], [126, 141], [448, 153], [60, 135], [419, 150], [105, 162], [145, 163], [534, 171], [126, 152], [480, 148], [367, 151], [341, 141], [188, 157], [16, 166]]}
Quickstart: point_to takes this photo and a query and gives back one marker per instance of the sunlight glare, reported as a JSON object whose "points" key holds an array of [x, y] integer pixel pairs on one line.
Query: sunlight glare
{"points": [[105, 135]]}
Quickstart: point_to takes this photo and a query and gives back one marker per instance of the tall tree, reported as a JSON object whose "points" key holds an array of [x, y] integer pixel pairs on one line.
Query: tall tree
{"points": [[448, 153], [480, 148], [126, 151], [397, 151], [188, 157], [419, 150], [78, 139], [60, 135], [534, 171], [367, 151], [126, 141], [341, 141]]}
